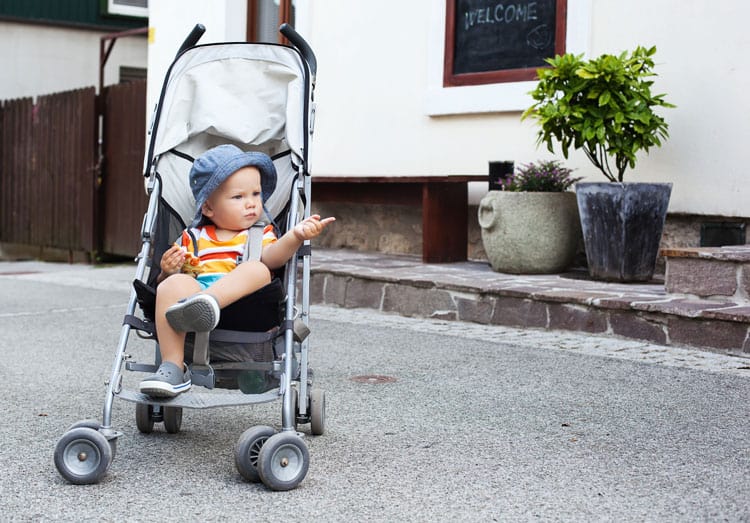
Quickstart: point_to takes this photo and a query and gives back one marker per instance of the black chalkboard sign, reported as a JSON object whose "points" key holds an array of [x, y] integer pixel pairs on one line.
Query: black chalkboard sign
{"points": [[486, 36]]}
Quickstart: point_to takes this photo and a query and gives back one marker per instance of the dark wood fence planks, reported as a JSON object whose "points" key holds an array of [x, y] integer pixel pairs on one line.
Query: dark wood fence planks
{"points": [[52, 193], [124, 199], [48, 171]]}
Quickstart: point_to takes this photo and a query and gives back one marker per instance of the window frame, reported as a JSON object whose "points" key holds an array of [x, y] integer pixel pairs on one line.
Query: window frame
{"points": [[498, 76], [112, 8]]}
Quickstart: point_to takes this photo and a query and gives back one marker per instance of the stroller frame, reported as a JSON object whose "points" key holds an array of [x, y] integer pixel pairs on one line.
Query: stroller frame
{"points": [[280, 460]]}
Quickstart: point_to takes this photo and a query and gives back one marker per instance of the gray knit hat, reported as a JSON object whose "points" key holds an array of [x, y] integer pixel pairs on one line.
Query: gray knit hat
{"points": [[216, 165]]}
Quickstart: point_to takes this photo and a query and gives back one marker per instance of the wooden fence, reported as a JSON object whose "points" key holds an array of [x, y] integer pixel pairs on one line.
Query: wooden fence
{"points": [[123, 196], [54, 193]]}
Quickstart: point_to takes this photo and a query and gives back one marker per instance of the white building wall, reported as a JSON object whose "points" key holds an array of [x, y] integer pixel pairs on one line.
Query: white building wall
{"points": [[381, 111], [38, 59], [704, 70], [374, 88]]}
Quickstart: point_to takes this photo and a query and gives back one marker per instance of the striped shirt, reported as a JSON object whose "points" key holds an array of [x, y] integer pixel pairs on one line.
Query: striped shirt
{"points": [[215, 257]]}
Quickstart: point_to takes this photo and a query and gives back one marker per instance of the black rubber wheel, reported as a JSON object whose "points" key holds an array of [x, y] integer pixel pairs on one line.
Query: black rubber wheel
{"points": [[283, 461], [144, 417], [88, 423], [82, 456], [172, 419], [317, 412], [94, 424], [247, 449]]}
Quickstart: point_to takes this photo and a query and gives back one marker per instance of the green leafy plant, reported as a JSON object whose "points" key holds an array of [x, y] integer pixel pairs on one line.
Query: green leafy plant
{"points": [[543, 176], [603, 106]]}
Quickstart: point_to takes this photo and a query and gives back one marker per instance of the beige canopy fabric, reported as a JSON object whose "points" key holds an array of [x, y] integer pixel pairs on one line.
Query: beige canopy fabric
{"points": [[250, 95]]}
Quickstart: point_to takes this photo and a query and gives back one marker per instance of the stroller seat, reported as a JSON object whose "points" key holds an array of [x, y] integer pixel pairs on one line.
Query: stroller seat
{"points": [[246, 336]]}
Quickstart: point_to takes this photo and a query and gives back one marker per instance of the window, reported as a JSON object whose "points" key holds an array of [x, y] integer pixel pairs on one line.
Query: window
{"points": [[264, 18], [132, 74], [135, 8], [493, 96]]}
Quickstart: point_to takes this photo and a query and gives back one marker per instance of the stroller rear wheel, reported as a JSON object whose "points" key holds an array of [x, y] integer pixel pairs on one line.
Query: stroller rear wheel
{"points": [[82, 456], [283, 461], [247, 449]]}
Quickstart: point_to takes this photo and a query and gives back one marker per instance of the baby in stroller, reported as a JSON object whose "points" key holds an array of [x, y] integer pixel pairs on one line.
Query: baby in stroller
{"points": [[230, 188]]}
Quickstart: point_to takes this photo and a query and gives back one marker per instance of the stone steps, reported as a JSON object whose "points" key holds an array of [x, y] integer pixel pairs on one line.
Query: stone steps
{"points": [[471, 291], [716, 273]]}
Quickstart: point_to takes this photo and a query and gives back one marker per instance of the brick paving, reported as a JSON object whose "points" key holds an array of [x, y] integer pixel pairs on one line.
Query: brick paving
{"points": [[472, 292]]}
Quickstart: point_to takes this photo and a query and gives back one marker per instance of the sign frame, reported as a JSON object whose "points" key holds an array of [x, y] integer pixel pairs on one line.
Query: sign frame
{"points": [[498, 76]]}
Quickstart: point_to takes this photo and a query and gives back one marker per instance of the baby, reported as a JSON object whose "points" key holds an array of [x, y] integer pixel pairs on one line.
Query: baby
{"points": [[230, 187]]}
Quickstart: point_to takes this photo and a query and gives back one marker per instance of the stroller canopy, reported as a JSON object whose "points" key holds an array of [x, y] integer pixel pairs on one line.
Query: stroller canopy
{"points": [[254, 96]]}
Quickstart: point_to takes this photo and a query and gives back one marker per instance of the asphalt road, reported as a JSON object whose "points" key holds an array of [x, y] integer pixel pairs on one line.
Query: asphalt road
{"points": [[478, 423]]}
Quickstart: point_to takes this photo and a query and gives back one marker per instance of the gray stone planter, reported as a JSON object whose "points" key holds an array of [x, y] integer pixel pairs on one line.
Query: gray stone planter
{"points": [[529, 232]]}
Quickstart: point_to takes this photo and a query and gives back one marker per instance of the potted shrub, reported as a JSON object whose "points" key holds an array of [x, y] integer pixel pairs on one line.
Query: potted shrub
{"points": [[531, 224], [605, 107]]}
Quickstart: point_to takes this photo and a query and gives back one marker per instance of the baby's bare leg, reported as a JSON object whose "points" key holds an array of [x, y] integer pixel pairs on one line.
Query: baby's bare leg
{"points": [[170, 291], [245, 279]]}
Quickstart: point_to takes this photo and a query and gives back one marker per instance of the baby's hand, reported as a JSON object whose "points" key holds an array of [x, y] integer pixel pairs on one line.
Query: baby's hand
{"points": [[311, 227], [172, 260]]}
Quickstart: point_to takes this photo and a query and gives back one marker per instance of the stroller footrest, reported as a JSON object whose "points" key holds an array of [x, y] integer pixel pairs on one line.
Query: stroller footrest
{"points": [[141, 367], [203, 376], [198, 400]]}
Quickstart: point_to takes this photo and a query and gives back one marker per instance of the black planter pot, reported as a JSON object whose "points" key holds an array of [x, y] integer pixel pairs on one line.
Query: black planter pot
{"points": [[622, 225]]}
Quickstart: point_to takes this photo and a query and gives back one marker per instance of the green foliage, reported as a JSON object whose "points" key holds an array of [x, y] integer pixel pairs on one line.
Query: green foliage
{"points": [[603, 106], [543, 176]]}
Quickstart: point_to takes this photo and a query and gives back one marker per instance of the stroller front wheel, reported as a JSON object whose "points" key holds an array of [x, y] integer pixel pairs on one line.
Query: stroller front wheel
{"points": [[82, 456], [247, 450], [283, 461], [295, 407], [172, 419], [94, 424], [317, 412], [144, 418]]}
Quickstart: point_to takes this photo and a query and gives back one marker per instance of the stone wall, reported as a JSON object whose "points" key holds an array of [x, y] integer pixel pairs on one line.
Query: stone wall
{"points": [[390, 229], [397, 229]]}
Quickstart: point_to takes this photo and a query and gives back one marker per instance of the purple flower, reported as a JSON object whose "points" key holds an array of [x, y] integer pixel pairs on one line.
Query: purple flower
{"points": [[543, 176]]}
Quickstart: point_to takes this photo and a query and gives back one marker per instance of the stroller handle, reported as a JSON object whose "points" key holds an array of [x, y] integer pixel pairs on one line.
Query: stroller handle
{"points": [[192, 38], [300, 43]]}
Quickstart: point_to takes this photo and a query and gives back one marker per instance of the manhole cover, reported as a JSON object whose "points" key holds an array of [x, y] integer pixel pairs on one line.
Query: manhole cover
{"points": [[373, 378]]}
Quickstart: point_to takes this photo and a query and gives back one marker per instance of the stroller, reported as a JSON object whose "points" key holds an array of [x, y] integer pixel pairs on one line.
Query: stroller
{"points": [[257, 97]]}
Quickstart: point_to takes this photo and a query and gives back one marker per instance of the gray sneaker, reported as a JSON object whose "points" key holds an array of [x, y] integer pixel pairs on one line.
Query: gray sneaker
{"points": [[168, 381], [197, 313]]}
